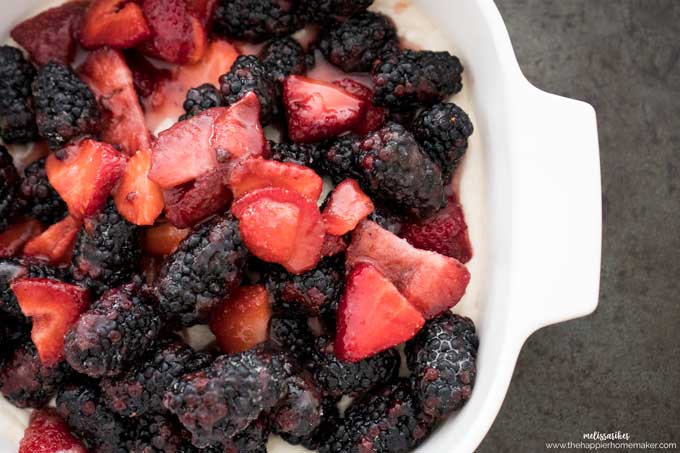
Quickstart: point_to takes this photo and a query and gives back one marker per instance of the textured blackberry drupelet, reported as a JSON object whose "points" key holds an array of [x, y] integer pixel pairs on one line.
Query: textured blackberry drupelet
{"points": [[201, 98], [13, 333], [42, 201], [302, 154], [246, 75], [253, 439], [222, 399], [256, 20], [391, 167], [330, 420], [140, 390], [442, 358], [292, 335], [157, 434], [25, 382], [443, 131], [65, 107], [17, 118], [408, 79], [387, 219], [356, 44], [9, 188], [203, 271], [300, 412], [283, 57], [329, 10], [114, 332], [107, 250]]}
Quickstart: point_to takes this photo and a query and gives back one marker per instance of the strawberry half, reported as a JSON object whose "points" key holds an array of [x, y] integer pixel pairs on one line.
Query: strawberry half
{"points": [[190, 203], [139, 199], [281, 226], [47, 432], [55, 244], [318, 110], [54, 307], [372, 316], [13, 239], [258, 173], [51, 35], [348, 206], [242, 321], [108, 76], [114, 23], [374, 116], [84, 175], [202, 10], [163, 239], [433, 283]]}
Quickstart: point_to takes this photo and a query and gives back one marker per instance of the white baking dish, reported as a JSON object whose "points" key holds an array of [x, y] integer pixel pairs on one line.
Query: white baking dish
{"points": [[531, 190]]}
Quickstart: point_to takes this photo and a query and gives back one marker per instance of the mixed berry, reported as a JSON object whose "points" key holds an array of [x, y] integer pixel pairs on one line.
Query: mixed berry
{"points": [[118, 234]]}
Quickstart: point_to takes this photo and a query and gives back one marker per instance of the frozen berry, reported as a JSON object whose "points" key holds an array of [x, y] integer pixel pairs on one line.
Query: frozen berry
{"points": [[246, 75], [49, 433], [329, 10], [283, 57], [42, 201], [9, 189], [300, 412], [256, 20], [201, 98], [17, 118], [301, 154]]}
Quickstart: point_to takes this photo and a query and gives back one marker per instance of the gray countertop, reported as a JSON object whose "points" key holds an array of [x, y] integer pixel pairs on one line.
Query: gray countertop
{"points": [[619, 369]]}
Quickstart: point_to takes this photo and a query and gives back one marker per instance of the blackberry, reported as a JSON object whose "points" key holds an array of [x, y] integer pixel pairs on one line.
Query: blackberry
{"points": [[443, 131], [65, 107], [42, 201], [409, 79], [387, 219], [9, 188], [253, 439], [355, 44], [246, 75], [13, 333], [107, 251], [300, 412], [114, 332], [157, 434], [330, 419], [301, 154], [17, 118], [283, 57], [329, 10], [338, 159], [256, 20], [201, 98], [139, 391], [292, 335], [221, 400], [442, 358], [203, 271]]}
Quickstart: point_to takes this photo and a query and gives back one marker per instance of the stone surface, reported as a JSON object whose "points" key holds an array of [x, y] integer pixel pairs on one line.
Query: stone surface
{"points": [[619, 369]]}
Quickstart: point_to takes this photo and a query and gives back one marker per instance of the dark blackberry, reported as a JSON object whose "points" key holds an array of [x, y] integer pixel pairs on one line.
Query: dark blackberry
{"points": [[156, 434], [300, 412], [338, 160], [114, 332], [330, 420], [42, 201], [253, 439], [256, 20], [355, 44], [17, 118], [203, 271], [140, 390], [283, 57], [442, 358], [13, 333], [443, 131], [329, 10], [65, 107], [293, 336], [9, 189], [307, 155], [387, 219], [246, 75], [25, 382], [408, 79], [201, 98], [107, 250], [222, 399]]}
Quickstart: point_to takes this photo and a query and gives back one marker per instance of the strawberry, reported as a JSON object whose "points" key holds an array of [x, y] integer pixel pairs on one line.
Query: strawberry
{"points": [[115, 23], [146, 77], [190, 203], [202, 10], [210, 139], [318, 110], [12, 240], [139, 199], [242, 321], [433, 283], [108, 76], [55, 244], [84, 175], [51, 35], [47, 432], [348, 206], [372, 316], [374, 116], [163, 239], [281, 226], [258, 173], [333, 245], [54, 307]]}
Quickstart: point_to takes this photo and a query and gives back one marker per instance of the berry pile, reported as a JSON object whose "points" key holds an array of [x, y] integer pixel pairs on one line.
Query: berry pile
{"points": [[118, 241]]}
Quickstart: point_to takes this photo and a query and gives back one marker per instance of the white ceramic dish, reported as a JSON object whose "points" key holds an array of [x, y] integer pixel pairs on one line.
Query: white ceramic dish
{"points": [[530, 187]]}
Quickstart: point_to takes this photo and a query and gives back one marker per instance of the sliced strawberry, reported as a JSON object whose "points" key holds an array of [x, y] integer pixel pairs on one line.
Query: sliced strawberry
{"points": [[12, 240], [139, 199], [55, 244], [258, 173], [372, 316], [242, 321], [190, 203], [202, 10], [333, 245], [84, 175], [51, 35], [107, 74], [47, 432], [54, 307], [348, 206], [433, 283], [146, 77], [281, 226], [374, 116], [163, 239], [318, 110], [115, 23]]}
